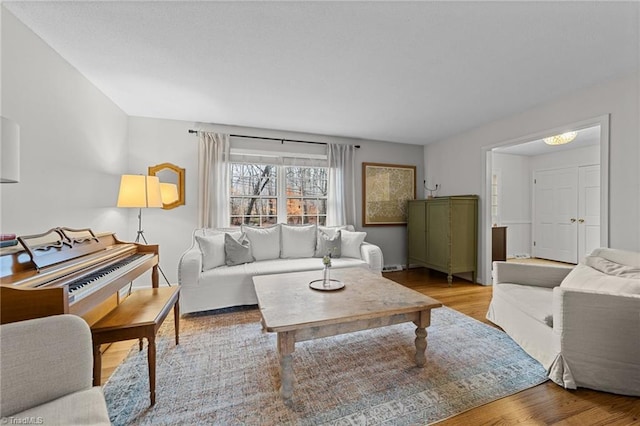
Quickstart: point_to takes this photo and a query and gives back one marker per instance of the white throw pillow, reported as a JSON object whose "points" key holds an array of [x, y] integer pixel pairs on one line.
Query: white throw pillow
{"points": [[350, 246], [612, 268], [212, 248], [265, 242], [297, 241], [584, 277]]}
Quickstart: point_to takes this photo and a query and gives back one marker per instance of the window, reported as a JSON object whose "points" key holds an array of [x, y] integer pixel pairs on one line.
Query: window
{"points": [[306, 191], [260, 197], [254, 194]]}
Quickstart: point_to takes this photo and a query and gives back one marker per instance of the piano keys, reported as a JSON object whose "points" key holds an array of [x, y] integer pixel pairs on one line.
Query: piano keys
{"points": [[69, 271]]}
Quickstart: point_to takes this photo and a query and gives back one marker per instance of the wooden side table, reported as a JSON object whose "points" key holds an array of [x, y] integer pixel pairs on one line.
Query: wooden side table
{"points": [[499, 243], [139, 316]]}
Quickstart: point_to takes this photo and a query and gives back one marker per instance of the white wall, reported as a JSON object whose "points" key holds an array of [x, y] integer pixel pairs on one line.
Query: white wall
{"points": [[154, 141], [75, 144], [457, 163], [73, 141]]}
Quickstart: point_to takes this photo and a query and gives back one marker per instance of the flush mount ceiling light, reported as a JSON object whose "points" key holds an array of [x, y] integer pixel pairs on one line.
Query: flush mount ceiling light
{"points": [[560, 139]]}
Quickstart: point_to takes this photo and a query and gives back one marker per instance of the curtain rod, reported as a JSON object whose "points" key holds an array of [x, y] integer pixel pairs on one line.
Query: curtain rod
{"points": [[272, 139]]}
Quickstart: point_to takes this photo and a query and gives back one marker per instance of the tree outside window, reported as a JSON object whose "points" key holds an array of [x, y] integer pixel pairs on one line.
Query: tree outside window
{"points": [[306, 189], [254, 194], [256, 188]]}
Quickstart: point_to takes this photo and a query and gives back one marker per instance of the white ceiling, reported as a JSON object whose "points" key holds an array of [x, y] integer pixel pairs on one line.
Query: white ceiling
{"points": [[413, 72], [584, 138]]}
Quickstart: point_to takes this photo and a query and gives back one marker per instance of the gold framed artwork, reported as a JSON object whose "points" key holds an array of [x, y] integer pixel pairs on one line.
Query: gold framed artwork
{"points": [[386, 188]]}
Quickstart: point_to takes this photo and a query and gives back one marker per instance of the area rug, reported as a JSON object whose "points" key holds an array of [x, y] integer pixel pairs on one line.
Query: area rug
{"points": [[226, 371]]}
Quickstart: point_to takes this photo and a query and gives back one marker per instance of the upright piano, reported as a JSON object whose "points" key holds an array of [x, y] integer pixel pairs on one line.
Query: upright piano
{"points": [[70, 271]]}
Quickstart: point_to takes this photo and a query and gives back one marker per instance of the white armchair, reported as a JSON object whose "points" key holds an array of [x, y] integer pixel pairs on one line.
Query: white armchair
{"points": [[46, 368], [582, 324]]}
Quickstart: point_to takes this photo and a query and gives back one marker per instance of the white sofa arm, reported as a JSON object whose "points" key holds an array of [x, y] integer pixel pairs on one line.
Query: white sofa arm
{"points": [[599, 340], [372, 254], [42, 360], [190, 266], [527, 274]]}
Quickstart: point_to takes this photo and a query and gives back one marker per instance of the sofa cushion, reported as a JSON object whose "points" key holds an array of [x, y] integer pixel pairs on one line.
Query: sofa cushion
{"points": [[237, 251], [584, 277], [212, 248], [350, 243], [297, 241], [265, 242], [328, 244], [86, 407], [536, 302], [275, 266]]}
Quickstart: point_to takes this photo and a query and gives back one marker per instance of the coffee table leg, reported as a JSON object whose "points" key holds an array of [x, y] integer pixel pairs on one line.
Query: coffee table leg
{"points": [[421, 337], [421, 346], [286, 346]]}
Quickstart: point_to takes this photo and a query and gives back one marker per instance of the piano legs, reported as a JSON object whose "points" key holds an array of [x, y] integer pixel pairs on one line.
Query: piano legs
{"points": [[139, 316]]}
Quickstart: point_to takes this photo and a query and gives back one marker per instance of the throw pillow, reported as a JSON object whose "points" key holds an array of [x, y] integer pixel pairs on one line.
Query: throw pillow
{"points": [[350, 244], [584, 277], [265, 242], [612, 268], [212, 248], [237, 251], [328, 244], [331, 230], [297, 241]]}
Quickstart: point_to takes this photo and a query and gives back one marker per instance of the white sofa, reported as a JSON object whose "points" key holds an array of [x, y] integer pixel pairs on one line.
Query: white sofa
{"points": [[46, 369], [207, 282], [582, 324]]}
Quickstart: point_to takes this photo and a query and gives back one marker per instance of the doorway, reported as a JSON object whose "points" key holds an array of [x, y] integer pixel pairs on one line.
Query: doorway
{"points": [[509, 185]]}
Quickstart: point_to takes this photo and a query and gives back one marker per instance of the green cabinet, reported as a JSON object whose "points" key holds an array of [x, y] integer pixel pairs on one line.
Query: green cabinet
{"points": [[443, 234]]}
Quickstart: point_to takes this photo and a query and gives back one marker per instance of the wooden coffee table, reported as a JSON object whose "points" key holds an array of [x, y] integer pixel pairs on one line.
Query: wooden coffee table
{"points": [[298, 313]]}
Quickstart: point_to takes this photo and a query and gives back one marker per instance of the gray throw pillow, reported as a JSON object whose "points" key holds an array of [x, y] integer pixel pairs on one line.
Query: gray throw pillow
{"points": [[329, 244], [237, 251]]}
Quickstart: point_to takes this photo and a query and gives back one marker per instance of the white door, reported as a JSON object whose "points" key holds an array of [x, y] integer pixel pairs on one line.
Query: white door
{"points": [[588, 210], [543, 240], [555, 222]]}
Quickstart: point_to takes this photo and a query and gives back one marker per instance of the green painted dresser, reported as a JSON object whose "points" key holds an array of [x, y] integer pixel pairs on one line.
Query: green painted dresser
{"points": [[443, 234]]}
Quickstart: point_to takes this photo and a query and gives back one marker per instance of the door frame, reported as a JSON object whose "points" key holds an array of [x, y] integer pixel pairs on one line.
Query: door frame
{"points": [[485, 210]]}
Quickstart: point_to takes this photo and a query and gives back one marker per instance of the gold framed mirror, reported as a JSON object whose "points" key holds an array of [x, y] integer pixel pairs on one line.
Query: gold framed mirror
{"points": [[169, 175]]}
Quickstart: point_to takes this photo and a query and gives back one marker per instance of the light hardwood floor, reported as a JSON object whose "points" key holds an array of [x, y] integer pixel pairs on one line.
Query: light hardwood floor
{"points": [[545, 404]]}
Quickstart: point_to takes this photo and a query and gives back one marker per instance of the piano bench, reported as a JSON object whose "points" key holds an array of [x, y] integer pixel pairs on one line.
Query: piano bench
{"points": [[139, 316]]}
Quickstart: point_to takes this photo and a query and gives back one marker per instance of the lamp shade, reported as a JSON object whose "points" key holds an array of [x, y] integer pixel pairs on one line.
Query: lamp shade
{"points": [[9, 151], [139, 191], [169, 192]]}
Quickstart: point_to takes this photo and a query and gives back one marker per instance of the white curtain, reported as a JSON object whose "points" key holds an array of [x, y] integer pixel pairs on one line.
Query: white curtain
{"points": [[213, 179], [341, 194]]}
